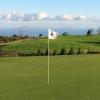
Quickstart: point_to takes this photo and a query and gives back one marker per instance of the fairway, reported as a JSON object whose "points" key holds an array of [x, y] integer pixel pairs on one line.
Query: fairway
{"points": [[84, 42], [71, 78]]}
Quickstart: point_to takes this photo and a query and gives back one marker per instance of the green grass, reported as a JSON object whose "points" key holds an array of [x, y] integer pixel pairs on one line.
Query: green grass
{"points": [[71, 78], [84, 42]]}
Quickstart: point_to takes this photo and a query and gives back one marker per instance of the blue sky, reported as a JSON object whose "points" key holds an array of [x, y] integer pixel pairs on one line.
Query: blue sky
{"points": [[63, 9], [53, 7]]}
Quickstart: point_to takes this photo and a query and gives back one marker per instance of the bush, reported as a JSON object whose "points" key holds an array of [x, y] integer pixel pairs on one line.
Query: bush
{"points": [[55, 52], [88, 51], [38, 52], [79, 51], [89, 32], [94, 52], [46, 52], [63, 51], [26, 54], [42, 53], [65, 34], [84, 51], [71, 51]]}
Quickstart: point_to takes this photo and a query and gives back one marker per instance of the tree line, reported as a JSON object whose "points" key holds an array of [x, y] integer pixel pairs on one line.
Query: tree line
{"points": [[62, 51], [40, 52], [16, 37]]}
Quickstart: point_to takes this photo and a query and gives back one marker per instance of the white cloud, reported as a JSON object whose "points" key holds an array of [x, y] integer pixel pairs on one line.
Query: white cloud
{"points": [[70, 17], [42, 16], [80, 17], [16, 16]]}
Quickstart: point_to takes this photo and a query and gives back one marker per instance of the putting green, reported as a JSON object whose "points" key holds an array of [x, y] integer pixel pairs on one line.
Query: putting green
{"points": [[71, 78]]}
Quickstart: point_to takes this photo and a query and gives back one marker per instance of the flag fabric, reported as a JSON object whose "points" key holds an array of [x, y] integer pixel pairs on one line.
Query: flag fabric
{"points": [[52, 34]]}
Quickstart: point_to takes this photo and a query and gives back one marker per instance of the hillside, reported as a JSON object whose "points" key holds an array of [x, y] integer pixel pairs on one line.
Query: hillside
{"points": [[84, 42]]}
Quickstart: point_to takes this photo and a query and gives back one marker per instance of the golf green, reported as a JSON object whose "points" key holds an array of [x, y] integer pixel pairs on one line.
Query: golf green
{"points": [[75, 77]]}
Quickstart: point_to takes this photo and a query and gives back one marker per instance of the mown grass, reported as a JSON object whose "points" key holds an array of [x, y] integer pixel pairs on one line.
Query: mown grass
{"points": [[84, 42], [74, 77]]}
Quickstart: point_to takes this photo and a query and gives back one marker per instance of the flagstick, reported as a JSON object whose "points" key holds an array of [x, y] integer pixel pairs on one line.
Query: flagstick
{"points": [[48, 62]]}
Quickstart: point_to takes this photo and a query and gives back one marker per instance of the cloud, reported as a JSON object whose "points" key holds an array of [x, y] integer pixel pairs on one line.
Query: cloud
{"points": [[16, 16], [42, 16], [70, 17]]}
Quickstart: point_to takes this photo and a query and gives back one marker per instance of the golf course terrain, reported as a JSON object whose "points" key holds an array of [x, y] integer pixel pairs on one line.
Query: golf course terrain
{"points": [[84, 42], [75, 77], [72, 77]]}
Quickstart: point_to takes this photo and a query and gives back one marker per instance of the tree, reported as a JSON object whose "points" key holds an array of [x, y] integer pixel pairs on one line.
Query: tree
{"points": [[88, 51], [65, 34], [40, 35], [38, 52], [46, 52], [63, 51], [14, 36], [55, 52], [89, 32], [71, 51], [79, 51], [26, 37]]}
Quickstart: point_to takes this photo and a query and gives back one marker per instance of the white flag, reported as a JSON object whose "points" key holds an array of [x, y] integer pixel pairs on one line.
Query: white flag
{"points": [[52, 34]]}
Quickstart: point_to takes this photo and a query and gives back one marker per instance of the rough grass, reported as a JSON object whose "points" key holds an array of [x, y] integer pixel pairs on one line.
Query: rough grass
{"points": [[71, 78], [84, 42]]}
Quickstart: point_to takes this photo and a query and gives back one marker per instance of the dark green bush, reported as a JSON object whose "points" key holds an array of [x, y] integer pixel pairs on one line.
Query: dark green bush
{"points": [[71, 51], [46, 52], [55, 52], [79, 51], [38, 52], [63, 51]]}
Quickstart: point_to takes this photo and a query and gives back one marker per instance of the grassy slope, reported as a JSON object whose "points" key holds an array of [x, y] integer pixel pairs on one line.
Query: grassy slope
{"points": [[85, 42], [72, 78]]}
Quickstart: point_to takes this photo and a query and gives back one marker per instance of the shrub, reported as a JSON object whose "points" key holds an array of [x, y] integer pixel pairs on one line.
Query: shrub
{"points": [[63, 51], [88, 51], [42, 53], [79, 51], [55, 52], [89, 32], [71, 51], [84, 51], [65, 34], [46, 52], [94, 52], [38, 52], [26, 54]]}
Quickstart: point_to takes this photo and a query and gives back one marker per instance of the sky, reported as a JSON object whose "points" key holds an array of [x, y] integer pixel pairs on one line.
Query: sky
{"points": [[53, 7], [74, 12]]}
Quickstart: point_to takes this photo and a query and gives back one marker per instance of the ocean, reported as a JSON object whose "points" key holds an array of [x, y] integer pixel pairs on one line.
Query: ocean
{"points": [[36, 31]]}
